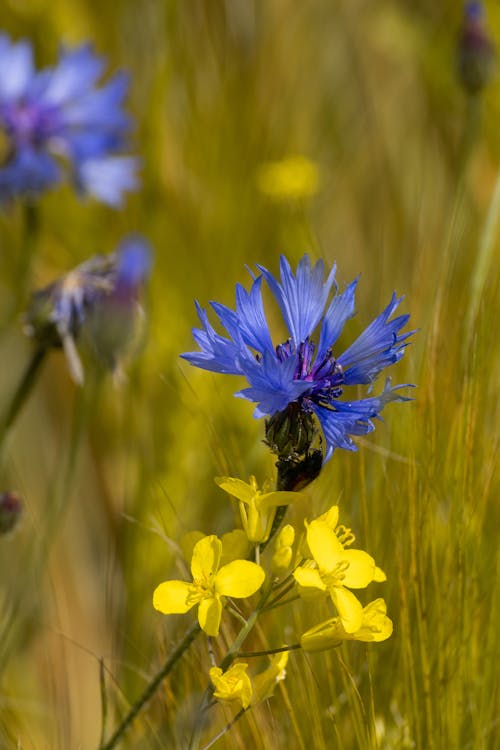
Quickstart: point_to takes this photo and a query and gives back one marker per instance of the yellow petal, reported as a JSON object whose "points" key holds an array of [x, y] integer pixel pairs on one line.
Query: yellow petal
{"points": [[174, 597], [331, 517], [232, 685], [235, 546], [309, 578], [376, 626], [239, 578], [257, 524], [206, 558], [379, 575], [326, 635], [361, 569], [348, 607], [266, 681], [324, 545], [209, 615], [237, 488], [274, 499], [188, 542]]}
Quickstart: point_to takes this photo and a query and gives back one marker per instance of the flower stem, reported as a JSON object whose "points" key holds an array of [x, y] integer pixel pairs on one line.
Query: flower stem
{"points": [[152, 687], [226, 729], [22, 392], [268, 652], [226, 662]]}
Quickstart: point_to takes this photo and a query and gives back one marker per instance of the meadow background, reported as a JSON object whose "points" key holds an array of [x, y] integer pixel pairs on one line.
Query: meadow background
{"points": [[407, 170]]}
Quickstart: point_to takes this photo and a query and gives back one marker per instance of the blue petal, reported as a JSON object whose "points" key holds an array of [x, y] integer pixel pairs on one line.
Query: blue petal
{"points": [[272, 385], [302, 298], [16, 68], [377, 347], [249, 318], [134, 261], [107, 178], [76, 72], [28, 173], [347, 418], [341, 308], [218, 354], [337, 427], [100, 107]]}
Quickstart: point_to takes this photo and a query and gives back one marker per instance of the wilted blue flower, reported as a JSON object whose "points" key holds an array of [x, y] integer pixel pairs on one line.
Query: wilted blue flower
{"points": [[60, 120], [99, 298], [299, 377], [476, 52]]}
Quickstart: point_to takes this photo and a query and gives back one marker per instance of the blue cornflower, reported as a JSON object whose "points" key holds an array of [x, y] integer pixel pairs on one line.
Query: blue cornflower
{"points": [[59, 121], [97, 299], [299, 377]]}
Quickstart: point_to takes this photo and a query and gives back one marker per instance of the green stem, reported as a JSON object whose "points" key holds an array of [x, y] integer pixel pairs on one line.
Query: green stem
{"points": [[226, 729], [22, 392], [152, 687], [252, 654]]}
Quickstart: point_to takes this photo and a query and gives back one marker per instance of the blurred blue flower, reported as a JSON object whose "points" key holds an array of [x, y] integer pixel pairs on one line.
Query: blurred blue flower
{"points": [[98, 300], [60, 121], [476, 52], [298, 372]]}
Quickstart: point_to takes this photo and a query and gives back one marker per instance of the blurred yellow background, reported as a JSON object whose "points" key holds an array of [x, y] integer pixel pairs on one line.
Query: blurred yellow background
{"points": [[363, 99]]}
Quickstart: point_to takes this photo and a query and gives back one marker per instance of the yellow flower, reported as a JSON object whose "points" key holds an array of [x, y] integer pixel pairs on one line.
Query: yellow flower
{"points": [[236, 685], [232, 685], [211, 583], [257, 508], [291, 178], [375, 626], [235, 545], [266, 681], [282, 556], [337, 571]]}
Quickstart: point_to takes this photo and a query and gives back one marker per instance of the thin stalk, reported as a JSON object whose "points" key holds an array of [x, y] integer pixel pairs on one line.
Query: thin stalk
{"points": [[22, 392], [226, 729], [268, 652], [225, 664], [151, 688]]}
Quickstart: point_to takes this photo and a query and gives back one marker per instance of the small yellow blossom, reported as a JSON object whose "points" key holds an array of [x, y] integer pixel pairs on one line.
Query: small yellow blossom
{"points": [[235, 545], [337, 570], [291, 178], [282, 556], [235, 684], [211, 583], [375, 626], [232, 685], [257, 507]]}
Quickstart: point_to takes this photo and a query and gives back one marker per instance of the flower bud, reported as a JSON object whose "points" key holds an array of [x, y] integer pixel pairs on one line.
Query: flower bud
{"points": [[11, 509], [290, 433]]}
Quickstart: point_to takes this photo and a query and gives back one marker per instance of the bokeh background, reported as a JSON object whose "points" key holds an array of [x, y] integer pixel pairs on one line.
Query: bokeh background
{"points": [[398, 186]]}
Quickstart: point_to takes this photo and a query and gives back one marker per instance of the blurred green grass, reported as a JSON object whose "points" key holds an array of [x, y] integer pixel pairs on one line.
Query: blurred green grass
{"points": [[368, 93]]}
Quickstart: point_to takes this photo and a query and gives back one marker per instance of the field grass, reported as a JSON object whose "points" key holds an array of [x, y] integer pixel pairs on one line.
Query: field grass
{"points": [[112, 477]]}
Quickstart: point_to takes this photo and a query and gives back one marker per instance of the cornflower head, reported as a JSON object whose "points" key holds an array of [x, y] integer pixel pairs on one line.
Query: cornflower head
{"points": [[257, 507], [59, 122], [98, 298], [375, 627], [211, 584], [335, 570], [299, 384]]}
